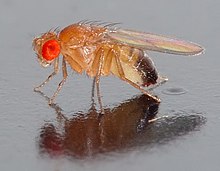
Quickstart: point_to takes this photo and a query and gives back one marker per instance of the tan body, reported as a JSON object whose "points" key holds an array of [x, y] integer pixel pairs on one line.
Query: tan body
{"points": [[89, 49], [86, 48]]}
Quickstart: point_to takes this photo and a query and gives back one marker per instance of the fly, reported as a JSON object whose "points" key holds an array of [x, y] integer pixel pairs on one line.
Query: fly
{"points": [[102, 50]]}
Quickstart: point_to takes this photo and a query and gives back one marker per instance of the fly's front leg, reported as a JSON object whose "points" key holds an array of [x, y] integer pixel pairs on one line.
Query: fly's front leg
{"points": [[56, 69], [122, 75], [61, 83]]}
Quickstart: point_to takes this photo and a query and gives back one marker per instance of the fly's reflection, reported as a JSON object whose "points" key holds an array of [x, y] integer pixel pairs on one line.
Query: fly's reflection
{"points": [[120, 128]]}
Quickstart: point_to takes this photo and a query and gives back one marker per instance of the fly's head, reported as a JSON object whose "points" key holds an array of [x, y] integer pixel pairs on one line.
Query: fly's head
{"points": [[47, 48]]}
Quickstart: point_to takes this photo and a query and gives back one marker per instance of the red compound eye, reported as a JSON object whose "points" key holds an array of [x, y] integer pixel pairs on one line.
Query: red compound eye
{"points": [[50, 50]]}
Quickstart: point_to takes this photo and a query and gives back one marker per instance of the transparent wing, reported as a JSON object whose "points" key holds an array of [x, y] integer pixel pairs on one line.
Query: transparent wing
{"points": [[148, 41]]}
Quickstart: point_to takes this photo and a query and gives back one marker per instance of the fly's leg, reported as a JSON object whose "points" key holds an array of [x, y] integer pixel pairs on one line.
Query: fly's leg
{"points": [[161, 80], [105, 63], [93, 92], [98, 64], [56, 69], [97, 79], [103, 56], [156, 119], [61, 83], [122, 75]]}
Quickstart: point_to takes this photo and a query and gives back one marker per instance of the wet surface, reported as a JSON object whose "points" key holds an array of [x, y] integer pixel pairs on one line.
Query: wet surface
{"points": [[72, 134], [174, 91]]}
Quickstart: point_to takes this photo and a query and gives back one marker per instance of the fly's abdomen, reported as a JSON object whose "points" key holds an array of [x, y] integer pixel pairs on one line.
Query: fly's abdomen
{"points": [[147, 70], [137, 67]]}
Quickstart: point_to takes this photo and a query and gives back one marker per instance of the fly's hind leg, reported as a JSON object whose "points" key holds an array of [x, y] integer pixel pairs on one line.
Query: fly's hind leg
{"points": [[161, 80], [122, 75], [56, 69], [64, 70]]}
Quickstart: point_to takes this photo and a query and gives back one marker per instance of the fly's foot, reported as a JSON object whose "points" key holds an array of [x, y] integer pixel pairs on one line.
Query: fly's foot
{"points": [[156, 119], [37, 89], [155, 98], [50, 102], [102, 112]]}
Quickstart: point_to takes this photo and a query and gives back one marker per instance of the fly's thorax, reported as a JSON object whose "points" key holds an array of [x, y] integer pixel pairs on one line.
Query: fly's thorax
{"points": [[47, 48], [77, 35], [88, 53]]}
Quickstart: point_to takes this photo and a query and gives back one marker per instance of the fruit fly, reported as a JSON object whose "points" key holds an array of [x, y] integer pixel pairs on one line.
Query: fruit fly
{"points": [[101, 50]]}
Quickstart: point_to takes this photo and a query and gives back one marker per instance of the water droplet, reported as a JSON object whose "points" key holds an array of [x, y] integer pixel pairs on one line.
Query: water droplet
{"points": [[174, 91]]}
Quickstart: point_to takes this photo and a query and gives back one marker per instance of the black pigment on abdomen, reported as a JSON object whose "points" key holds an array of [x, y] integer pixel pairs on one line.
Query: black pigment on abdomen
{"points": [[147, 69]]}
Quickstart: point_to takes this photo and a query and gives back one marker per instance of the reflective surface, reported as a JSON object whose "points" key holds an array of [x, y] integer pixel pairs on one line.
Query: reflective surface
{"points": [[85, 134], [72, 135], [131, 124]]}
